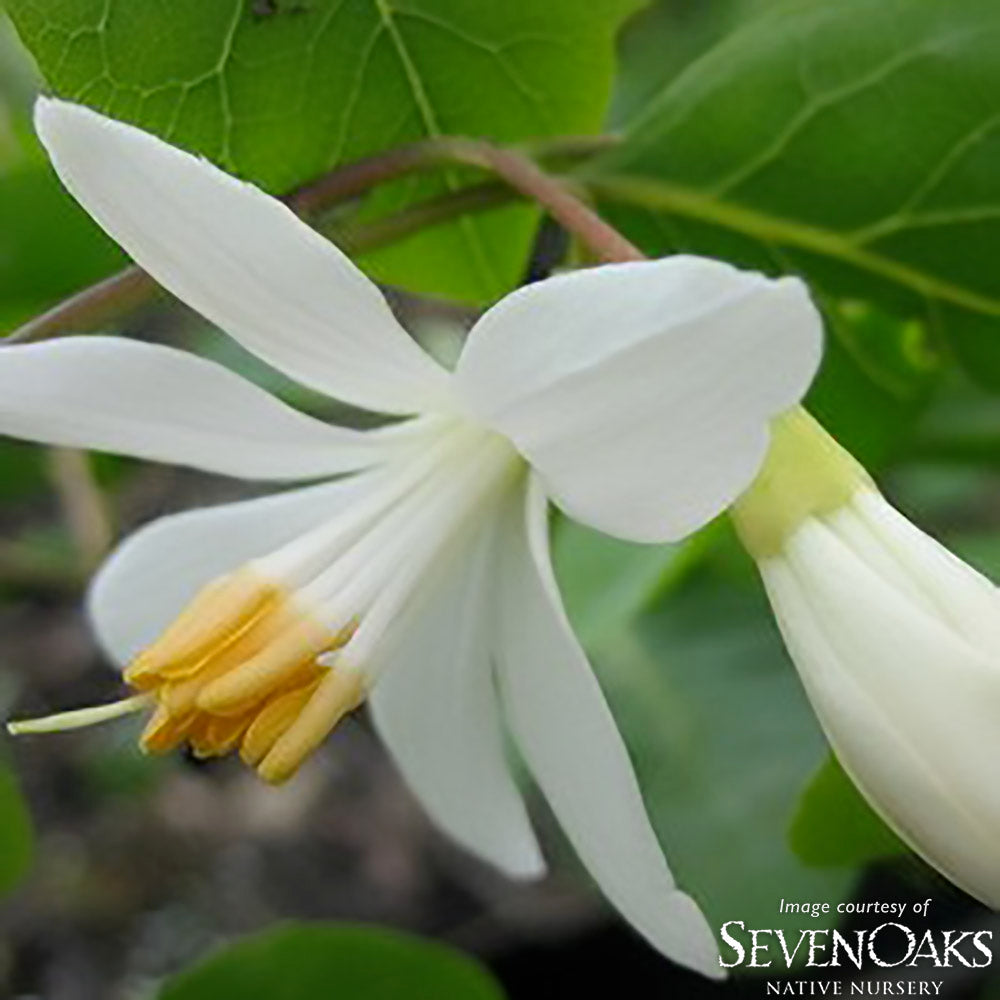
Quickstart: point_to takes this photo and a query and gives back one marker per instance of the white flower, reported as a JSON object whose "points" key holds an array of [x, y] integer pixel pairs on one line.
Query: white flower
{"points": [[635, 396], [898, 645]]}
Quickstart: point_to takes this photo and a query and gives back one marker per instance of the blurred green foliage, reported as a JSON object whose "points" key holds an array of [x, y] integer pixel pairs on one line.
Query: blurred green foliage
{"points": [[850, 834], [308, 961], [16, 836]]}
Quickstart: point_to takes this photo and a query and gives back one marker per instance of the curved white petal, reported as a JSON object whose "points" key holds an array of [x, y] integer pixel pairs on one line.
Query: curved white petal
{"points": [[436, 707], [966, 599], [562, 724], [155, 402], [241, 259], [152, 575], [908, 703], [641, 392]]}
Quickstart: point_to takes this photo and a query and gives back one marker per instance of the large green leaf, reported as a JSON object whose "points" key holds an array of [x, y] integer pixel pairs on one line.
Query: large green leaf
{"points": [[309, 961], [662, 40], [606, 582], [833, 824], [855, 142], [877, 378], [279, 91]]}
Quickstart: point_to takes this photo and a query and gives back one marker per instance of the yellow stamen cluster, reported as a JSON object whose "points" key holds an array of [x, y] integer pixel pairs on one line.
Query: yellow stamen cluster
{"points": [[238, 669]]}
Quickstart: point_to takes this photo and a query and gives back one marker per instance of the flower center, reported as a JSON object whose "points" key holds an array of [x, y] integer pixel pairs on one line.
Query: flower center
{"points": [[237, 669], [270, 657]]}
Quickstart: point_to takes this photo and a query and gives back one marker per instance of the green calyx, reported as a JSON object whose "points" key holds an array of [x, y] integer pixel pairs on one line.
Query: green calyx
{"points": [[805, 474]]}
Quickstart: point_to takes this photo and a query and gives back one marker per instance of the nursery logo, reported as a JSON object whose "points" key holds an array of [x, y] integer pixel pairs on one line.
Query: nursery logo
{"points": [[890, 958]]}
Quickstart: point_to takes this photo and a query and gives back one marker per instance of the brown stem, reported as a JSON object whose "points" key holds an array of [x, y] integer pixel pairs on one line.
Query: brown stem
{"points": [[520, 171], [108, 300], [553, 194], [100, 304], [424, 215], [91, 308], [83, 503], [354, 179]]}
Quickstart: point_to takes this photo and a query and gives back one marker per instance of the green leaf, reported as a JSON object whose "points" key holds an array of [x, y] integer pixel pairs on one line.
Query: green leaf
{"points": [[878, 376], [279, 91], [855, 143], [309, 961], [960, 435], [16, 835], [660, 41], [48, 246], [980, 550], [835, 826], [606, 582]]}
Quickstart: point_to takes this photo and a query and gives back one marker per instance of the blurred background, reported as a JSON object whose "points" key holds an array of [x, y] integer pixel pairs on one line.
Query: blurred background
{"points": [[120, 870]]}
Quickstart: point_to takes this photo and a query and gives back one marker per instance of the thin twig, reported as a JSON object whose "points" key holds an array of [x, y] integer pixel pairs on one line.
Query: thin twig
{"points": [[90, 308], [108, 300], [83, 503], [552, 193], [97, 306], [423, 215], [357, 178]]}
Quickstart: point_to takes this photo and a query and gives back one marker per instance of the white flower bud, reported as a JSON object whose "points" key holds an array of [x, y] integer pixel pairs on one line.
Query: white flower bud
{"points": [[897, 642]]}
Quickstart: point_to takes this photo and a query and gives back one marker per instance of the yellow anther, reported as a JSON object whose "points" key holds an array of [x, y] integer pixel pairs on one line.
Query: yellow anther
{"points": [[272, 721], [339, 692], [217, 617], [289, 658], [238, 668], [181, 695], [164, 731], [215, 737], [181, 698]]}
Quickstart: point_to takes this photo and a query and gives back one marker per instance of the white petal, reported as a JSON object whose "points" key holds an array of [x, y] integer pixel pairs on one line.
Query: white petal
{"points": [[908, 704], [965, 597], [241, 259], [641, 392], [153, 574], [436, 707], [155, 402], [562, 724]]}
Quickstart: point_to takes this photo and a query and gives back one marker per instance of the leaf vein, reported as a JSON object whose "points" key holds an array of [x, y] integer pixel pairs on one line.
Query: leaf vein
{"points": [[433, 127], [706, 207], [811, 110]]}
